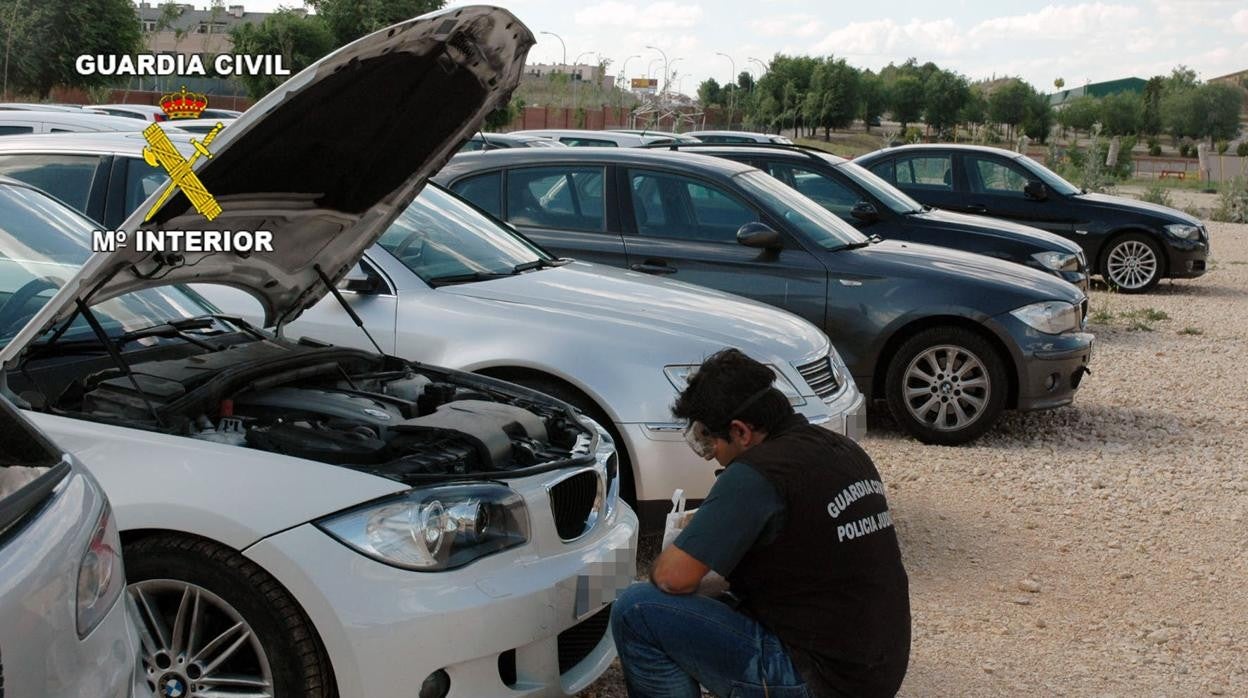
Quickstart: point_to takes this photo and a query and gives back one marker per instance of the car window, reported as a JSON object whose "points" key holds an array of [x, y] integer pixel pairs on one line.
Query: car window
{"points": [[674, 206], [568, 198], [485, 191], [9, 130], [142, 180], [439, 235], [472, 145], [892, 197], [581, 141], [885, 171], [816, 223], [925, 171], [67, 177], [992, 176], [725, 139], [822, 188]]}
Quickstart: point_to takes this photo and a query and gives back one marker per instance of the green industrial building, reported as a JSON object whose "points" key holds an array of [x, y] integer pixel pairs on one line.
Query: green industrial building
{"points": [[1098, 89]]}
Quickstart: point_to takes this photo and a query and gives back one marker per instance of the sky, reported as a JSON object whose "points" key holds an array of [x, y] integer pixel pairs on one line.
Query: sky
{"points": [[1077, 41]]}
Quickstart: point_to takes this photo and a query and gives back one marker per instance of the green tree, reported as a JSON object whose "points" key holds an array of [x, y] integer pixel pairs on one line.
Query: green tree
{"points": [[301, 40], [832, 101], [1206, 111], [1080, 113], [1008, 104], [1181, 78], [1150, 113], [709, 93], [944, 96], [1121, 113], [502, 117], [975, 110], [348, 20], [905, 99], [871, 97], [1037, 116], [44, 39]]}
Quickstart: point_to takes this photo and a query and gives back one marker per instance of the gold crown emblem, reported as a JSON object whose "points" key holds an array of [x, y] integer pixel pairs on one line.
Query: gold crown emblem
{"points": [[184, 105]]}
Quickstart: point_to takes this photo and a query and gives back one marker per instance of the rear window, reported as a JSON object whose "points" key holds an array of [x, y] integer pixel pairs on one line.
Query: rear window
{"points": [[67, 177]]}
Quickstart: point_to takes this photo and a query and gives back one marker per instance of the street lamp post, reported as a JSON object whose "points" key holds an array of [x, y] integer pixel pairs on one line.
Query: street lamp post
{"points": [[665, 65], [732, 99], [565, 46], [624, 74]]}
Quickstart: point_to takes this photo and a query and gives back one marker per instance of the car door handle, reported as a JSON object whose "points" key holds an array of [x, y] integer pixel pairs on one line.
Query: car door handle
{"points": [[977, 208], [653, 268]]}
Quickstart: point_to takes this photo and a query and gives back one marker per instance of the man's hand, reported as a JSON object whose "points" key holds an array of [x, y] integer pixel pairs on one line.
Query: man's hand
{"points": [[677, 572]]}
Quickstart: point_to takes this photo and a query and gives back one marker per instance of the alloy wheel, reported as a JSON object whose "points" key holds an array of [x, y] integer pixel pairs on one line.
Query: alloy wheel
{"points": [[947, 387], [196, 645], [1131, 264]]}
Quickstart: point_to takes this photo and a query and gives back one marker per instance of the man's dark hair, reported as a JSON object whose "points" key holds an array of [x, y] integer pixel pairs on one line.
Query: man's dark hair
{"points": [[722, 384]]}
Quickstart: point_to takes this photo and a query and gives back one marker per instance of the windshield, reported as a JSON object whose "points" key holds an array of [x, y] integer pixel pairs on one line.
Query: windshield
{"points": [[818, 224], [896, 200], [1051, 179], [439, 236], [42, 245]]}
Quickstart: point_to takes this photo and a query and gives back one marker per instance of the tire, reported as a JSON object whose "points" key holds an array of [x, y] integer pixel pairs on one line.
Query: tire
{"points": [[975, 360], [561, 391], [1132, 263], [169, 574]]}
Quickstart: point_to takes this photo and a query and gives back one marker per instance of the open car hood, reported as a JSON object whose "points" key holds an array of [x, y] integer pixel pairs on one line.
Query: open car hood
{"points": [[325, 162]]}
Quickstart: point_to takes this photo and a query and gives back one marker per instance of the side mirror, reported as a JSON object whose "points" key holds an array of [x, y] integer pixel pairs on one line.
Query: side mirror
{"points": [[758, 235], [1036, 190], [361, 281], [865, 211]]}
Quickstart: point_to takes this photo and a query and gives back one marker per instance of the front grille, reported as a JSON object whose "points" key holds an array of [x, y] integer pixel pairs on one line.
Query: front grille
{"points": [[578, 641], [572, 502], [820, 377], [1083, 312]]}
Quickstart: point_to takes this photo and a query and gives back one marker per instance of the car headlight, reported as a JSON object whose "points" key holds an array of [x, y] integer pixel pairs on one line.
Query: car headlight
{"points": [[434, 528], [1051, 317], [1057, 261], [1184, 231], [679, 378]]}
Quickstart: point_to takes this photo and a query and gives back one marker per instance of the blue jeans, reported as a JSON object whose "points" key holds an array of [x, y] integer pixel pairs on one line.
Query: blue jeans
{"points": [[670, 644]]}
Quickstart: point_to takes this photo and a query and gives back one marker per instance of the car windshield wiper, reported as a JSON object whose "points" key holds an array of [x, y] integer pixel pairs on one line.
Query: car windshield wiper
{"points": [[468, 278], [857, 245], [173, 329]]}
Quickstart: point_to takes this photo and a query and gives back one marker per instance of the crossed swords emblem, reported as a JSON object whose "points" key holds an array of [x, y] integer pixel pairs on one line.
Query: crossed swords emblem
{"points": [[161, 152]]}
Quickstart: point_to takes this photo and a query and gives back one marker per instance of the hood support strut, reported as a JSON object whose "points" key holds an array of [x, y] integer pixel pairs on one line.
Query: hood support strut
{"points": [[98, 329], [346, 306]]}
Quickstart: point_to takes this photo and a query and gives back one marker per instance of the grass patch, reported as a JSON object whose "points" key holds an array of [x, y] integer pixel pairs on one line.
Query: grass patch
{"points": [[1146, 315], [1237, 262], [846, 145], [1101, 317], [1194, 331], [1167, 183]]}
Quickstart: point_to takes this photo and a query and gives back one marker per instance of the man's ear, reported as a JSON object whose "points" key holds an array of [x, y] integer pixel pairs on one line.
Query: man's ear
{"points": [[739, 431]]}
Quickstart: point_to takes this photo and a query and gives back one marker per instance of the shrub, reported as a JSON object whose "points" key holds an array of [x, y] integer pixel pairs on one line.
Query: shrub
{"points": [[1157, 194], [1154, 149], [1222, 147], [1232, 202], [914, 134], [1242, 149]]}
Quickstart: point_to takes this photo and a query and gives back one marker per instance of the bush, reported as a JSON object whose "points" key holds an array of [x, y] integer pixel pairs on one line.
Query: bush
{"points": [[914, 134], [1242, 149], [1232, 202], [1222, 147], [1154, 149], [1157, 194]]}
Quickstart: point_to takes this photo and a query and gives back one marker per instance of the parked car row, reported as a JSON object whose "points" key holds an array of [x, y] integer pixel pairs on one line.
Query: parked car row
{"points": [[416, 444]]}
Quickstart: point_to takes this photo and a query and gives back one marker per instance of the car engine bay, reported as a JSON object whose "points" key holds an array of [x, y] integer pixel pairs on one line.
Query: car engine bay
{"points": [[346, 407]]}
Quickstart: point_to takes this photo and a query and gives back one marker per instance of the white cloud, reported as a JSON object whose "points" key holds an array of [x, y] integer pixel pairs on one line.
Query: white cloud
{"points": [[1239, 21], [799, 25], [1058, 22], [886, 37], [656, 15]]}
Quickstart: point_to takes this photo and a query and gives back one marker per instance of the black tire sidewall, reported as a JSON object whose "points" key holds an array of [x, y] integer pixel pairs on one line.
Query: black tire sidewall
{"points": [[993, 363], [185, 560], [1137, 237]]}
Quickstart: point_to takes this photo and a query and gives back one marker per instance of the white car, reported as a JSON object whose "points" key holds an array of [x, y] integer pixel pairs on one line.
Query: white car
{"points": [[299, 519], [605, 139], [739, 137], [19, 122], [64, 625], [613, 343]]}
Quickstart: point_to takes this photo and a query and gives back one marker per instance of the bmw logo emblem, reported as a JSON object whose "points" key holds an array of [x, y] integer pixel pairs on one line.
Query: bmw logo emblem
{"points": [[173, 687]]}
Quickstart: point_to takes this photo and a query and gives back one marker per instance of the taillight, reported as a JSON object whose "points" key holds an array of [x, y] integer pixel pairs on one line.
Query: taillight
{"points": [[100, 576], [159, 117]]}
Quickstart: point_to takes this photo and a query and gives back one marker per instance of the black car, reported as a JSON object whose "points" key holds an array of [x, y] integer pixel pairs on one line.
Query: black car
{"points": [[875, 207], [949, 339], [1132, 244]]}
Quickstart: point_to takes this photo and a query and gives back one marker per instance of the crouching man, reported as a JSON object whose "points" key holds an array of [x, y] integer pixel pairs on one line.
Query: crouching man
{"points": [[798, 524]]}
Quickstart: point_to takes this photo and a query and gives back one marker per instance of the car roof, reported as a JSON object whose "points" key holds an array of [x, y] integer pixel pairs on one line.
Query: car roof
{"points": [[490, 159], [754, 134], [143, 108], [967, 147], [104, 122], [40, 106], [112, 142], [796, 153]]}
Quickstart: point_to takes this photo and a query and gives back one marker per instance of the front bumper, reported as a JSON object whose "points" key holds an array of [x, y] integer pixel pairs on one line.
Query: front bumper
{"points": [[1050, 367], [1187, 259], [665, 463], [1078, 278], [500, 626]]}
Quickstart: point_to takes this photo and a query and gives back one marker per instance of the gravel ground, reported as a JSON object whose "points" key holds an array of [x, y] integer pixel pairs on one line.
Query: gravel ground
{"points": [[1098, 549]]}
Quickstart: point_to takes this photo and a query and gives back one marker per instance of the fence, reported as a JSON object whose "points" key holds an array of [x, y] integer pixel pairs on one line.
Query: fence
{"points": [[605, 117], [74, 95]]}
